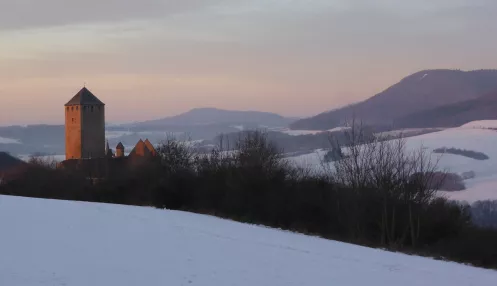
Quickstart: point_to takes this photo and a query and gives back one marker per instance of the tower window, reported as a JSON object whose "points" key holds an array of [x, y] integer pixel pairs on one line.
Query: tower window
{"points": [[72, 108], [77, 108], [84, 108], [67, 108], [91, 109]]}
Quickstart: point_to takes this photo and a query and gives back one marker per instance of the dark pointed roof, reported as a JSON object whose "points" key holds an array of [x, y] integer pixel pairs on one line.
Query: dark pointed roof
{"points": [[150, 146], [84, 96], [140, 150], [120, 146]]}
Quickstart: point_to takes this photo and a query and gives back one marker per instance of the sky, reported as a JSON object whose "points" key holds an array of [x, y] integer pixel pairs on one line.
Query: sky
{"points": [[149, 59]]}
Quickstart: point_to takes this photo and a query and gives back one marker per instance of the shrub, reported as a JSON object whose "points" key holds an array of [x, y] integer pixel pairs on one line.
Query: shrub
{"points": [[462, 152]]}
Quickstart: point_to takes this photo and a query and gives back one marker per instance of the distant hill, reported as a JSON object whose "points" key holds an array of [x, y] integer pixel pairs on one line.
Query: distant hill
{"points": [[8, 163], [214, 116], [197, 124], [453, 115], [421, 91]]}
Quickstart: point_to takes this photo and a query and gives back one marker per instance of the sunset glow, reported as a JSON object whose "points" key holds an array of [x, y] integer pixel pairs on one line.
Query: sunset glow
{"points": [[154, 58]]}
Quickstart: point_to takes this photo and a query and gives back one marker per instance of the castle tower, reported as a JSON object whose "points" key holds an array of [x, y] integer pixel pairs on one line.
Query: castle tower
{"points": [[85, 126], [120, 150]]}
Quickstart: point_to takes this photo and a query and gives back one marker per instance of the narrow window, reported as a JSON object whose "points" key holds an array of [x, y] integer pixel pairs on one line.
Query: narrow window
{"points": [[72, 108], [91, 109], [77, 108]]}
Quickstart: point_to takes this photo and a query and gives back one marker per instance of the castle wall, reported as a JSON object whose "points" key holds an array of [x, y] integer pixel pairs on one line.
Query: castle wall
{"points": [[73, 132], [93, 131]]}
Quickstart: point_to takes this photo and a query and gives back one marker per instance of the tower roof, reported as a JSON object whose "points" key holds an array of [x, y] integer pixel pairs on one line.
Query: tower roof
{"points": [[150, 146], [84, 96], [120, 146]]}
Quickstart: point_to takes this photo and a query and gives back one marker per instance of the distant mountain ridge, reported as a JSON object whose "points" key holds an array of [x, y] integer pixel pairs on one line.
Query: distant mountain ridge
{"points": [[197, 124], [206, 116], [7, 162], [453, 115], [418, 92]]}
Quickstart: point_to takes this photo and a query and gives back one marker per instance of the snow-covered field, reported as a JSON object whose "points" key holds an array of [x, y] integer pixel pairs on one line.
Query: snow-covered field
{"points": [[310, 132], [484, 185], [470, 137], [4, 140], [481, 124], [45, 242]]}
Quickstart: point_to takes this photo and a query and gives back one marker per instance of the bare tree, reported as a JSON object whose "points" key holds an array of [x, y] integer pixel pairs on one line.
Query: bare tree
{"points": [[48, 162], [176, 155], [403, 180]]}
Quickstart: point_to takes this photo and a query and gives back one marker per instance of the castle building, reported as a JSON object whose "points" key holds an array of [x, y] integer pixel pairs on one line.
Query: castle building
{"points": [[87, 151], [85, 126]]}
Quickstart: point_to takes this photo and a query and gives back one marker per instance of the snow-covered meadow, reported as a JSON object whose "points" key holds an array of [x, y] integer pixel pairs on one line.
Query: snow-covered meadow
{"points": [[476, 136], [47, 242], [310, 132], [4, 140]]}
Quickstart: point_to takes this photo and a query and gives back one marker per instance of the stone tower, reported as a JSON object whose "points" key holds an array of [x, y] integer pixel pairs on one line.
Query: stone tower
{"points": [[85, 126], [120, 150]]}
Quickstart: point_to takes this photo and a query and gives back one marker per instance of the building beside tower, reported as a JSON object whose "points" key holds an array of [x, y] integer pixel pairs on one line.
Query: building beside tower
{"points": [[87, 150]]}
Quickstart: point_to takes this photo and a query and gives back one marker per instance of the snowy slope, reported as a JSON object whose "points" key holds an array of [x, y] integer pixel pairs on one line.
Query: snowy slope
{"points": [[310, 132], [46, 242], [484, 185], [481, 124], [470, 137], [4, 140]]}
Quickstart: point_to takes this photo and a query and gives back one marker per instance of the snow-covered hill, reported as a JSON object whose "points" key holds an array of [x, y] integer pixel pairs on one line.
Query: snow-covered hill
{"points": [[481, 124], [45, 242], [476, 136]]}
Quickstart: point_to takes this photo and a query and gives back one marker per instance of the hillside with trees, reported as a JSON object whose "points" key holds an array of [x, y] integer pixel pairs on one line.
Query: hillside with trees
{"points": [[422, 91]]}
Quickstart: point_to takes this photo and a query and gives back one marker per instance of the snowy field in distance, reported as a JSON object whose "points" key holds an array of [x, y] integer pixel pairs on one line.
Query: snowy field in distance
{"points": [[482, 187], [4, 140], [310, 132], [481, 124], [47, 242]]}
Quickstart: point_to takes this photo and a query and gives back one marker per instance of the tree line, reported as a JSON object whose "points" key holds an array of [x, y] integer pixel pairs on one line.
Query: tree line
{"points": [[379, 194]]}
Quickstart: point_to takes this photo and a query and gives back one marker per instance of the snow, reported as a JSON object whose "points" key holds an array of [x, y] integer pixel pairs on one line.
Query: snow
{"points": [[4, 140], [482, 187], [311, 132], [425, 75], [481, 124], [238, 127], [47, 242]]}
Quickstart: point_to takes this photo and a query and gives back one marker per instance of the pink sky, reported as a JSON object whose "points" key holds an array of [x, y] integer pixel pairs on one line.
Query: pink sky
{"points": [[164, 57]]}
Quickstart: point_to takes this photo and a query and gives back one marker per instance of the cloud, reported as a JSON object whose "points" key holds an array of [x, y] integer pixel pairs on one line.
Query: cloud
{"points": [[35, 13]]}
